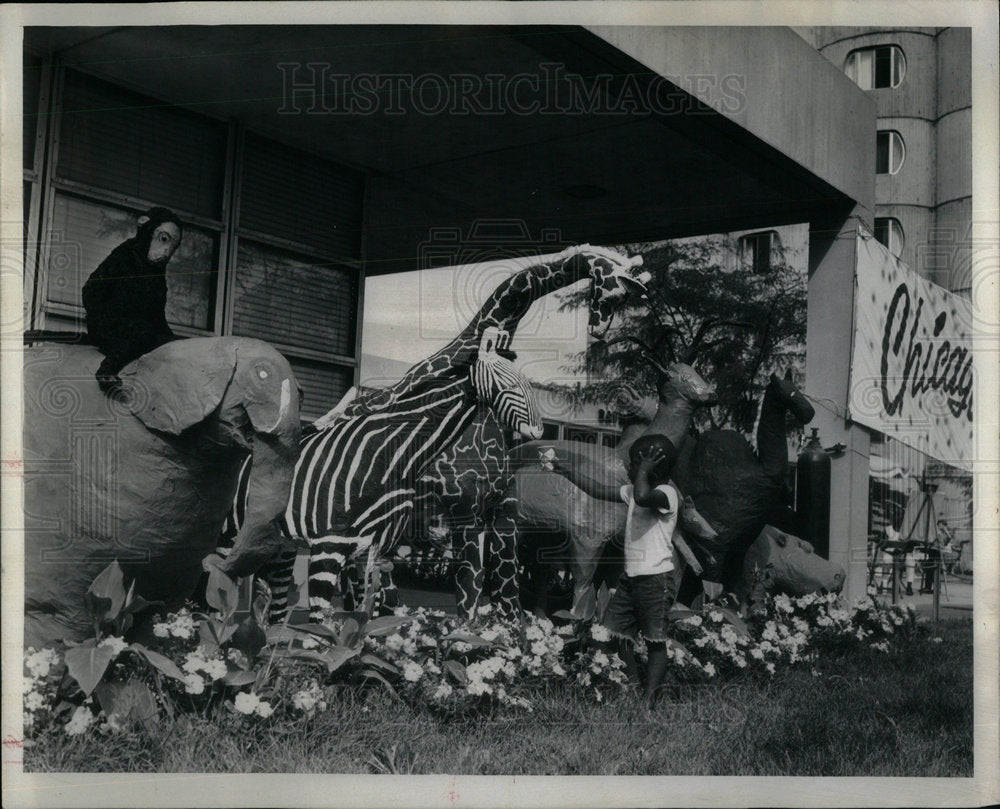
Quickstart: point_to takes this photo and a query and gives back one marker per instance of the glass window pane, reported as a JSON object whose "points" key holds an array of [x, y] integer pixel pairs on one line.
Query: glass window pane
{"points": [[32, 87], [323, 385], [288, 299], [114, 139], [883, 67], [865, 69], [84, 233], [299, 197], [882, 153], [898, 66]]}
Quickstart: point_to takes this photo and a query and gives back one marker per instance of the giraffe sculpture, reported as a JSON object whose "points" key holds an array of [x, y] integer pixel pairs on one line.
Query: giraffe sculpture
{"points": [[469, 488], [355, 483]]}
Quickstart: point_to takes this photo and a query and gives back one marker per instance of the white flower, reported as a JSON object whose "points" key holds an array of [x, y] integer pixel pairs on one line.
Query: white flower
{"points": [[601, 659], [539, 647], [263, 709], [598, 695], [757, 653], [304, 700], [246, 703], [309, 642], [715, 616], [412, 671], [692, 620], [40, 662], [558, 670], [79, 722], [534, 633], [194, 684], [182, 626], [427, 640], [709, 669], [33, 700], [216, 669], [161, 630], [477, 687], [937, 640], [600, 633], [193, 662], [443, 691], [394, 642], [770, 668]]}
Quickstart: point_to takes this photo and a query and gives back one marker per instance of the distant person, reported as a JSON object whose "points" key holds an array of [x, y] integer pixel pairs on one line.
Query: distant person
{"points": [[648, 586], [126, 296]]}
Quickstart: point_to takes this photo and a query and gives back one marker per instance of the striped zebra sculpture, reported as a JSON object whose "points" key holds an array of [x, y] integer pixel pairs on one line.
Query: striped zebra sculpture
{"points": [[356, 478]]}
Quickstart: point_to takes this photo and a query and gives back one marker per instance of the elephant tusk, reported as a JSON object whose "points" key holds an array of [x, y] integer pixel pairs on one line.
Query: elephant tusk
{"points": [[284, 404]]}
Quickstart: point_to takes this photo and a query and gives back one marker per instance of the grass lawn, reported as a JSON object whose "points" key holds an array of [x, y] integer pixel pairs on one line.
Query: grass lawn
{"points": [[858, 713]]}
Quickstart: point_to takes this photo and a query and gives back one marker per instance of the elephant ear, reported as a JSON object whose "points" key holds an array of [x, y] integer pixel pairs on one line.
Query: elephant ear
{"points": [[179, 384]]}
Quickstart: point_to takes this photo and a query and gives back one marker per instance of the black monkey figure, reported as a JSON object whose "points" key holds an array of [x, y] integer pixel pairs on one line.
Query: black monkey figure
{"points": [[126, 296]]}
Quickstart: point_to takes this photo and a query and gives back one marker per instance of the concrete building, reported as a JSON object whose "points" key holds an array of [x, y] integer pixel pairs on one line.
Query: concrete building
{"points": [[307, 158], [921, 82]]}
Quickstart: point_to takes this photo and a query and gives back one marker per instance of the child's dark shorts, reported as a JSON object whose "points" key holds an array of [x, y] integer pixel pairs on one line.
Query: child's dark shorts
{"points": [[642, 604]]}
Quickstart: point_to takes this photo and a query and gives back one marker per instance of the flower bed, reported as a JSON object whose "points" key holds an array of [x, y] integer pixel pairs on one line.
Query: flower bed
{"points": [[218, 661]]}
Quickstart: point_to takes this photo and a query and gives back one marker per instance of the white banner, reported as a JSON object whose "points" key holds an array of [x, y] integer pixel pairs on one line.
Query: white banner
{"points": [[911, 362]]}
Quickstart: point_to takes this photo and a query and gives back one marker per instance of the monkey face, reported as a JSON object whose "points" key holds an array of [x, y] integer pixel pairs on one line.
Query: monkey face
{"points": [[166, 239]]}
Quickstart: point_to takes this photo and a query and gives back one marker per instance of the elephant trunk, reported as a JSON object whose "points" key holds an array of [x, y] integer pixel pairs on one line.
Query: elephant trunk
{"points": [[268, 492]]}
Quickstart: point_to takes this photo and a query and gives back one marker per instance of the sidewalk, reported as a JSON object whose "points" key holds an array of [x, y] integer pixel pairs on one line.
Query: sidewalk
{"points": [[956, 599]]}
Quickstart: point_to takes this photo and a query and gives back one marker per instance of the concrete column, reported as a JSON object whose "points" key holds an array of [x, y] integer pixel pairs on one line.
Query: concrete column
{"points": [[829, 335]]}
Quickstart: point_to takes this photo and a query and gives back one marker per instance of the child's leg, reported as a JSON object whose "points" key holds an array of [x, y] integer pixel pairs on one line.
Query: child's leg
{"points": [[656, 670], [626, 651]]}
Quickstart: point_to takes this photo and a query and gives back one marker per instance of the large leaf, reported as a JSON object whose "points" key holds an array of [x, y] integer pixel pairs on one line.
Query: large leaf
{"points": [[221, 593], [128, 701], [106, 594], [237, 678], [337, 656], [88, 662], [712, 589], [457, 671], [158, 661], [281, 634], [386, 625], [317, 630], [350, 632], [586, 607], [379, 662], [734, 619], [565, 615], [371, 674], [249, 638], [465, 637], [603, 599], [212, 633]]}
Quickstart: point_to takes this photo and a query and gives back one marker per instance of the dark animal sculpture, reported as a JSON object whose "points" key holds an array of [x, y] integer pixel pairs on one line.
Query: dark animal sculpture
{"points": [[148, 476], [126, 296], [356, 480]]}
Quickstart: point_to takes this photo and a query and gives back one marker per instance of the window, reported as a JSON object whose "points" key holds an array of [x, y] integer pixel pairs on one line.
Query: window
{"points": [[890, 233], [889, 152], [759, 252], [878, 67]]}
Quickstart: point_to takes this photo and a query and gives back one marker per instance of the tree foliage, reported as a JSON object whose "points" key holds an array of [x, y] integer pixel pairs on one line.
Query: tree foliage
{"points": [[691, 284]]}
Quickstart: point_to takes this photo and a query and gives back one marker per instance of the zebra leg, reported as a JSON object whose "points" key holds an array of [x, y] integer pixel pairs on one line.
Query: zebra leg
{"points": [[469, 570], [501, 539], [329, 566], [277, 573]]}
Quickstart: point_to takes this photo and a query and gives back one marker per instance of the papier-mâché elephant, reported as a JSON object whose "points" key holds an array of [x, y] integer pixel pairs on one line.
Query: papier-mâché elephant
{"points": [[148, 476]]}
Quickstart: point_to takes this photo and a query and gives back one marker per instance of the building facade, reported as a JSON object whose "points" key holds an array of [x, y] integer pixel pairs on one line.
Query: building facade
{"points": [[921, 82]]}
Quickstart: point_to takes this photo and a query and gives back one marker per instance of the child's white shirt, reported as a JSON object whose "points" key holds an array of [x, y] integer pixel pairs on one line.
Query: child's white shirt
{"points": [[649, 533]]}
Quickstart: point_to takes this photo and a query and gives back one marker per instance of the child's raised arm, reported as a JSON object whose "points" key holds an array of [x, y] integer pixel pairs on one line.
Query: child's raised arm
{"points": [[645, 494], [595, 488]]}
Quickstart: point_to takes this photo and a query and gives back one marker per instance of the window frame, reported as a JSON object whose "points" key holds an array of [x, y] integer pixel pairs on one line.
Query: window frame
{"points": [[46, 186], [894, 137], [897, 66], [894, 232]]}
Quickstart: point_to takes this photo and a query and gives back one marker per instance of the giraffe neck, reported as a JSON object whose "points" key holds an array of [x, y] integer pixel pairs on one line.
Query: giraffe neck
{"points": [[504, 308]]}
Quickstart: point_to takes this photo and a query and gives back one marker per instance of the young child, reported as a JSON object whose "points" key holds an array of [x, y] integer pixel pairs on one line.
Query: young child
{"points": [[648, 587]]}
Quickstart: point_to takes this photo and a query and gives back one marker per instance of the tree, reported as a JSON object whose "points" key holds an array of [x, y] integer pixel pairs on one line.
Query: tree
{"points": [[690, 287]]}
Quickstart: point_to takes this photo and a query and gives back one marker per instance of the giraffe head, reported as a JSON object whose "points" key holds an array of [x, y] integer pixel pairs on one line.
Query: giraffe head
{"points": [[502, 387], [612, 279]]}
